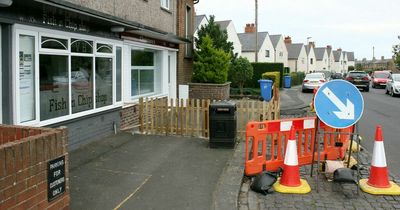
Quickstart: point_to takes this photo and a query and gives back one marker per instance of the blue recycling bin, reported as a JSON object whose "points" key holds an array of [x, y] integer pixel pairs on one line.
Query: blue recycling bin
{"points": [[287, 81], [266, 89]]}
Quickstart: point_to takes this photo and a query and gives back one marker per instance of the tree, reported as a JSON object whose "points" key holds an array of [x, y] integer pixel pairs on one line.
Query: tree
{"points": [[350, 68], [211, 65], [396, 53], [241, 71], [359, 66], [218, 36]]}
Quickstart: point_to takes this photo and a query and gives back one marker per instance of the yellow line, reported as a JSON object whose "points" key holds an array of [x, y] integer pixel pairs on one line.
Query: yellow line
{"points": [[132, 194]]}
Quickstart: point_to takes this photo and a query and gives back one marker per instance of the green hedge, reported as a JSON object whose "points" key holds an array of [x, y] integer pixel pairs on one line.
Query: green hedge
{"points": [[297, 78], [261, 68], [274, 76]]}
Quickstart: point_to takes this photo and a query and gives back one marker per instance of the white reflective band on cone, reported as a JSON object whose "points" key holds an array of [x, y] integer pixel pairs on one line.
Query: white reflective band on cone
{"points": [[291, 154], [309, 124], [378, 155], [285, 126]]}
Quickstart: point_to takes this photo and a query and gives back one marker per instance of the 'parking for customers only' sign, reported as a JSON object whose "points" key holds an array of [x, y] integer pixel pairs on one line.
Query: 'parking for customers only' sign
{"points": [[339, 104]]}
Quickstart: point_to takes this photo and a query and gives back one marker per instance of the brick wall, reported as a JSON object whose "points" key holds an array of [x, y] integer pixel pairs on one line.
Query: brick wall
{"points": [[129, 116], [209, 91], [184, 64], [24, 153]]}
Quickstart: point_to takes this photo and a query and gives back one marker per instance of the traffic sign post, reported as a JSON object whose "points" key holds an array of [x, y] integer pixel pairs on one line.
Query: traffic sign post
{"points": [[339, 104]]}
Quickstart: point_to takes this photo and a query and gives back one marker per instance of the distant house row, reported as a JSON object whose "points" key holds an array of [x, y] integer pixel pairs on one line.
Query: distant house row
{"points": [[298, 57]]}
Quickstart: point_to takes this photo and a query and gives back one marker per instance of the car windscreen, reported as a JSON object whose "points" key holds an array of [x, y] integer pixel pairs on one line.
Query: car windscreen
{"points": [[357, 74], [382, 75], [314, 76]]}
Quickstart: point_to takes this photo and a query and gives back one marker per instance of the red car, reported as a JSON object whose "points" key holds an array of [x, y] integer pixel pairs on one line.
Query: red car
{"points": [[380, 78]]}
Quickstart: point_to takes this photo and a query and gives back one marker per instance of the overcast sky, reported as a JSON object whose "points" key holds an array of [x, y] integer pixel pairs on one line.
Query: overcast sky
{"points": [[353, 25]]}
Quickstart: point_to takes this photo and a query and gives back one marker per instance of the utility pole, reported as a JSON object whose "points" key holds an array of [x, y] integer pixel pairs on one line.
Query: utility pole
{"points": [[373, 52], [256, 22]]}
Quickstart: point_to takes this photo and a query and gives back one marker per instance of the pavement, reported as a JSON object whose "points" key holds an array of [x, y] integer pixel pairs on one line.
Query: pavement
{"points": [[131, 171]]}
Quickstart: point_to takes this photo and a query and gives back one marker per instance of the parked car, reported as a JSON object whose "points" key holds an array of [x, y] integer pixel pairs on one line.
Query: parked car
{"points": [[380, 78], [312, 81], [337, 76], [359, 78], [393, 85], [327, 74]]}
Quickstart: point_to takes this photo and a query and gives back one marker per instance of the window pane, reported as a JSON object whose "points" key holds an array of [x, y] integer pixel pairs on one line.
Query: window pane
{"points": [[146, 81], [54, 43], [103, 82], [135, 82], [104, 48], [142, 58], [27, 78], [81, 46], [81, 83], [118, 73], [54, 97]]}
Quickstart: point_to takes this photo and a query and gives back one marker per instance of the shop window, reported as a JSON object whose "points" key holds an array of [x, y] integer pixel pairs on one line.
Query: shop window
{"points": [[81, 83], [54, 86], [27, 84], [104, 82], [54, 43], [104, 48], [142, 72], [81, 46]]}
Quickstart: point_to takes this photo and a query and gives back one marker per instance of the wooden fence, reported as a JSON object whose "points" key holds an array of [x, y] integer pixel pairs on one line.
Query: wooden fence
{"points": [[191, 117]]}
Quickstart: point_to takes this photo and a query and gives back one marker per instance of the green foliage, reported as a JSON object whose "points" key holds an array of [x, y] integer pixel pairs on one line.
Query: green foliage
{"points": [[297, 78], [260, 68], [274, 76], [396, 53], [219, 37], [286, 70], [359, 66], [211, 65], [240, 72], [350, 68]]}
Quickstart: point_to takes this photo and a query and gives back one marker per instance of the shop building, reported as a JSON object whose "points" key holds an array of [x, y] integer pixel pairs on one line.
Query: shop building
{"points": [[85, 64]]}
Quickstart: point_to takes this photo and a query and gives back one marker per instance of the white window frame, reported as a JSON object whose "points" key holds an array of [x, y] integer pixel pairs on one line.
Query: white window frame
{"points": [[38, 33], [166, 4], [267, 53]]}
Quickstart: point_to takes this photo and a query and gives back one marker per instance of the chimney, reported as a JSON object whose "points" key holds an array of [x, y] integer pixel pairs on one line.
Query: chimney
{"points": [[311, 44], [288, 40], [250, 28], [339, 49], [382, 57], [329, 47]]}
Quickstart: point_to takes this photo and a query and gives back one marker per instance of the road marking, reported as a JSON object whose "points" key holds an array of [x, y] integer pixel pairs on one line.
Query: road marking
{"points": [[133, 193]]}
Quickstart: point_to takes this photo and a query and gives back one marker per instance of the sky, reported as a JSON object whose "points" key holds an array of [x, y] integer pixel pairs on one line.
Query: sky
{"points": [[353, 25]]}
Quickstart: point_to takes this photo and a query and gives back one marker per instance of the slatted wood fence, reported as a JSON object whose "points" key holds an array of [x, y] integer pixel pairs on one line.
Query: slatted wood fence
{"points": [[191, 117]]}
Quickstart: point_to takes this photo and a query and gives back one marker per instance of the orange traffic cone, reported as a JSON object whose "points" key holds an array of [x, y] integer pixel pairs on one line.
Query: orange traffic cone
{"points": [[290, 181], [378, 182]]}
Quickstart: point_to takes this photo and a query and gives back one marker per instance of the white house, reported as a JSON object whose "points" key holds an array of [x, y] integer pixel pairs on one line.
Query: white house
{"points": [[345, 65], [322, 59], [297, 56], [331, 59], [280, 51], [350, 59], [264, 48], [232, 35], [311, 65], [199, 20], [338, 58]]}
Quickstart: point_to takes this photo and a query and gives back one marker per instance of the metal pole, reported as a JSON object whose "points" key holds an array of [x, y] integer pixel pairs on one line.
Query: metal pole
{"points": [[313, 152], [358, 159], [319, 158], [256, 22]]}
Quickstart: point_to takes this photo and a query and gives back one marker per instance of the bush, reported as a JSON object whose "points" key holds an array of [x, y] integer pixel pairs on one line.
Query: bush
{"points": [[350, 68], [240, 72], [261, 68], [297, 78], [211, 65], [274, 76]]}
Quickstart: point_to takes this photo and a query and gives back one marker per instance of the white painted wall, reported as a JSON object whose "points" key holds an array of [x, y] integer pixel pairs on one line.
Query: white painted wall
{"points": [[281, 53], [338, 66], [345, 63], [299, 65], [331, 61], [323, 64], [311, 57], [351, 63], [233, 37], [266, 45]]}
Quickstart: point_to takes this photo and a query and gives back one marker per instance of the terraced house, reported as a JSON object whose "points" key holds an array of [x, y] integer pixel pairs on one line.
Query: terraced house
{"points": [[85, 63]]}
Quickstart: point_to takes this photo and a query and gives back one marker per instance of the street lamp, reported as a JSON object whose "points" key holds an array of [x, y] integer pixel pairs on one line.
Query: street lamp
{"points": [[308, 38]]}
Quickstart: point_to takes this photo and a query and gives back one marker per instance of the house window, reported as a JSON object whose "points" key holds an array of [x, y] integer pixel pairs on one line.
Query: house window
{"points": [[280, 54], [142, 72], [74, 77], [311, 61], [188, 32], [267, 53], [165, 4]]}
